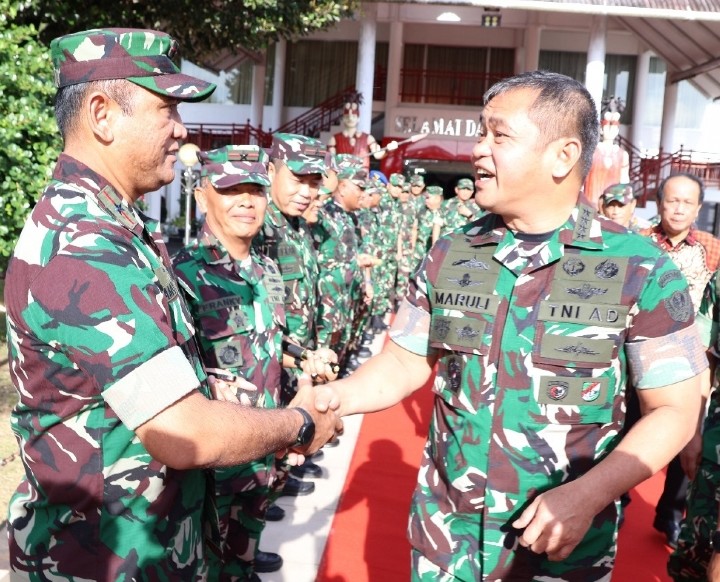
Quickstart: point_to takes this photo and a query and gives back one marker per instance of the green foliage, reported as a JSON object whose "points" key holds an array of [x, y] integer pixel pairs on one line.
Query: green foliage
{"points": [[29, 140], [202, 27]]}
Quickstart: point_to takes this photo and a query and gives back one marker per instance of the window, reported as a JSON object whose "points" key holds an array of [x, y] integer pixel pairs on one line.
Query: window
{"points": [[452, 75]]}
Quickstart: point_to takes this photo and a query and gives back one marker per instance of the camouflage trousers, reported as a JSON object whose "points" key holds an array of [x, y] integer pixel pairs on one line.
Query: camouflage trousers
{"points": [[423, 570], [333, 309], [242, 498], [384, 286], [402, 279], [690, 560]]}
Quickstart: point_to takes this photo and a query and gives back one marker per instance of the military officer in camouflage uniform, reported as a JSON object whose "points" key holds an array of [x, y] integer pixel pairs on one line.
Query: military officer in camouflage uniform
{"points": [[114, 416], [405, 237], [429, 223], [461, 208], [697, 556], [336, 238], [297, 167], [238, 308], [417, 189], [535, 316]]}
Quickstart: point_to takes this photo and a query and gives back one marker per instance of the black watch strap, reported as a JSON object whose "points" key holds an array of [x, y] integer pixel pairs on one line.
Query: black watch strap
{"points": [[715, 542], [307, 430]]}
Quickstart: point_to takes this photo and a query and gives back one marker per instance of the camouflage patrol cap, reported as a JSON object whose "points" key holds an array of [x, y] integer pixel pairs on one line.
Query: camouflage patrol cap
{"points": [[434, 190], [373, 188], [406, 187], [143, 57], [465, 184], [351, 167], [397, 179], [231, 165], [302, 155], [622, 193], [417, 180]]}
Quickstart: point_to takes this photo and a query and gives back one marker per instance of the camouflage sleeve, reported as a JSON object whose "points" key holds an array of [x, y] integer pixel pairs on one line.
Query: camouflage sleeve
{"points": [[411, 326], [707, 317], [664, 345], [100, 304]]}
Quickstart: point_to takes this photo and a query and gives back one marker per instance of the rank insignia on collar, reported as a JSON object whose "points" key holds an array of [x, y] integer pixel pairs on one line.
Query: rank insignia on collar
{"points": [[166, 283], [558, 390]]}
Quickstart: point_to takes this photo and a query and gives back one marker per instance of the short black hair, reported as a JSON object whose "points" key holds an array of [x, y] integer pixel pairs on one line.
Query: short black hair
{"points": [[701, 186], [563, 107], [69, 100]]}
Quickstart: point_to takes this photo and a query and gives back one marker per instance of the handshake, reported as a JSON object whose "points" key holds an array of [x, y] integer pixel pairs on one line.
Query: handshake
{"points": [[320, 404]]}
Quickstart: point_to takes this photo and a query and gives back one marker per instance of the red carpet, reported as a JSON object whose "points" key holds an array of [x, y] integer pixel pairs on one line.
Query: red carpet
{"points": [[367, 540]]}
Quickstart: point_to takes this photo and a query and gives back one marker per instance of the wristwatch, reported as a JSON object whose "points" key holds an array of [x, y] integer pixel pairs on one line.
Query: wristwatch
{"points": [[307, 431], [715, 541]]}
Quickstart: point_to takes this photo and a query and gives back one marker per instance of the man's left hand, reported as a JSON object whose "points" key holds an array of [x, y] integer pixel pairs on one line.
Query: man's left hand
{"points": [[555, 522]]}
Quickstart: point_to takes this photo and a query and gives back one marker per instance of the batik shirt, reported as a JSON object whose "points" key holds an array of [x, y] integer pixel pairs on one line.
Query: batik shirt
{"points": [[697, 256], [100, 341], [285, 242], [536, 341]]}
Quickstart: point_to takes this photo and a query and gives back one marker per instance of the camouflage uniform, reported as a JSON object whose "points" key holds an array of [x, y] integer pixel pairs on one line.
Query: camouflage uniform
{"points": [[238, 309], [453, 218], [534, 339], [101, 341], [405, 229], [690, 560], [336, 239], [96, 323], [284, 240], [426, 219]]}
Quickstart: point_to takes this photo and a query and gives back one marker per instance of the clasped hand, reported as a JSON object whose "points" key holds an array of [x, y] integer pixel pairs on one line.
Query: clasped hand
{"points": [[328, 423]]}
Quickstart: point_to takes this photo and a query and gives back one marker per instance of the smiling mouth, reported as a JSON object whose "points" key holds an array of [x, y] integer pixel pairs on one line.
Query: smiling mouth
{"points": [[484, 175]]}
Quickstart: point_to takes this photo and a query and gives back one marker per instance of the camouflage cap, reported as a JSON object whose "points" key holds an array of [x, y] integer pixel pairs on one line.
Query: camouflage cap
{"points": [[143, 57], [373, 187], [302, 155], [465, 184], [417, 180], [622, 193], [351, 167], [434, 190], [231, 165], [397, 179], [406, 187]]}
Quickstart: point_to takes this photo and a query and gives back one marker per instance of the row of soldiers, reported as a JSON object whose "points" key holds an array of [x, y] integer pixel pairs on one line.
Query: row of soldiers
{"points": [[301, 255]]}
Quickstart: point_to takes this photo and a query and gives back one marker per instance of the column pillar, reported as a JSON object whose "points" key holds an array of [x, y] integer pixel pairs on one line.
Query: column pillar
{"points": [[257, 99], [667, 128], [275, 118], [365, 76], [595, 71], [532, 47]]}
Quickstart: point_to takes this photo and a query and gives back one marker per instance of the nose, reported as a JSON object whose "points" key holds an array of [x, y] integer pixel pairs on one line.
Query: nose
{"points": [[481, 148]]}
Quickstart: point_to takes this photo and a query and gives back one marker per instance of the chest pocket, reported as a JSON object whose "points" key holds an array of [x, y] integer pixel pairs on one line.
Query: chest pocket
{"points": [[289, 262], [224, 326], [464, 306], [578, 334]]}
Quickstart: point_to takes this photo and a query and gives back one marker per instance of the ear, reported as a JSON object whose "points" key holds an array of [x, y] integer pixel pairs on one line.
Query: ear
{"points": [[633, 204], [272, 170], [567, 152], [201, 199], [101, 112]]}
